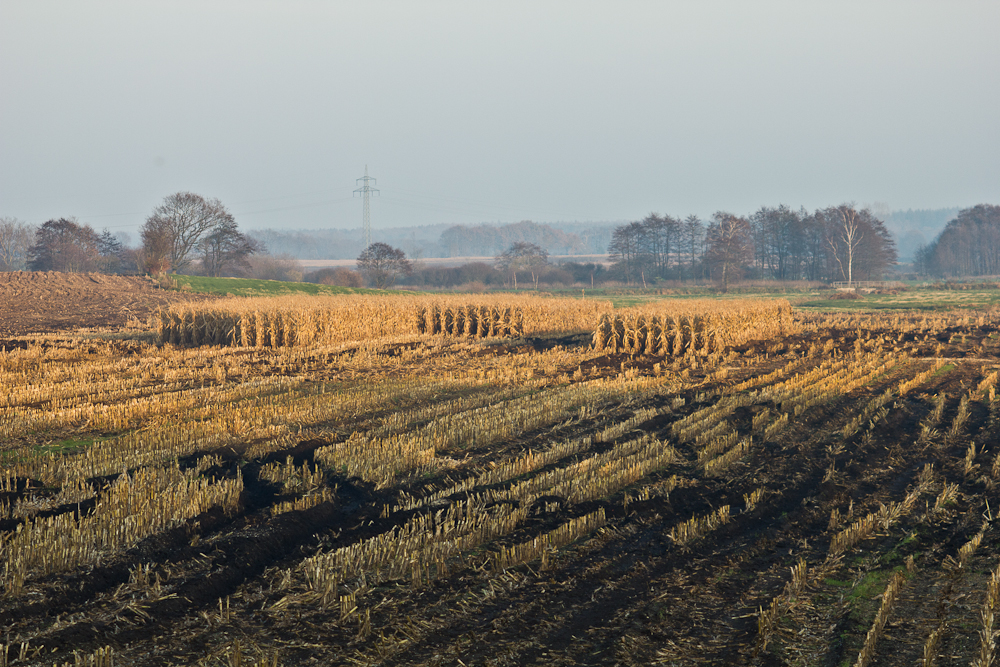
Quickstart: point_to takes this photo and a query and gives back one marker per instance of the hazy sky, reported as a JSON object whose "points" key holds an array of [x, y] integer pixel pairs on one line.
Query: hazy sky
{"points": [[468, 112]]}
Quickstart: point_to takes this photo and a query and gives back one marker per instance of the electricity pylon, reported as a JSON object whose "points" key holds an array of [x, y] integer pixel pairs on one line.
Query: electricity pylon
{"points": [[365, 191]]}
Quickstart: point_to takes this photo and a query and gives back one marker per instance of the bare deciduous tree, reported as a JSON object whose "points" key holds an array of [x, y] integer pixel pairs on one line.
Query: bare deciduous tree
{"points": [[380, 264], [729, 246], [523, 256], [625, 250], [857, 243], [226, 248], [844, 238], [693, 234], [177, 227], [15, 239]]}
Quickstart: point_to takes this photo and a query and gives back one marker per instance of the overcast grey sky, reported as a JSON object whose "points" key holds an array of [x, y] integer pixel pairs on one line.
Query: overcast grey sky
{"points": [[468, 112]]}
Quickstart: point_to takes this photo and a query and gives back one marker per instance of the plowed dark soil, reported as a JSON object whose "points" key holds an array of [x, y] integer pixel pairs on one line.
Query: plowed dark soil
{"points": [[49, 301]]}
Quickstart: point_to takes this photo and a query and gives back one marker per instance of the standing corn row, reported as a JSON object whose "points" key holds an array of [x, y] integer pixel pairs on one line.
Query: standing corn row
{"points": [[308, 320], [471, 321], [685, 331]]}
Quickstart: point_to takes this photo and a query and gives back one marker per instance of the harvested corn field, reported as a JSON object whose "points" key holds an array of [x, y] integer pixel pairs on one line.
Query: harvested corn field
{"points": [[822, 494]]}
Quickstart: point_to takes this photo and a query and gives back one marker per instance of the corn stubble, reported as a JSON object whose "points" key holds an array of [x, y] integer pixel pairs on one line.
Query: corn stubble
{"points": [[468, 454]]}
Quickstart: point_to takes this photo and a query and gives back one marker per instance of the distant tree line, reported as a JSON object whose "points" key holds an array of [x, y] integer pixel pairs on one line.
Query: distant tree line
{"points": [[475, 276], [490, 240], [484, 240], [313, 243], [969, 245], [185, 231], [486, 275], [839, 243], [62, 244]]}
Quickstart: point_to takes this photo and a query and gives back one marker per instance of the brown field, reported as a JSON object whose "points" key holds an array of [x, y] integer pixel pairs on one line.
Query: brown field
{"points": [[724, 484], [45, 302]]}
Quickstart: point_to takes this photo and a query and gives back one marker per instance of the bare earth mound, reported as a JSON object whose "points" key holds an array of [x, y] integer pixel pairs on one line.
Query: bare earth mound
{"points": [[48, 301]]}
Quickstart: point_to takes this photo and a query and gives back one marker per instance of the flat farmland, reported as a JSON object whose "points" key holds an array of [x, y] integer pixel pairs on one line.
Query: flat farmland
{"points": [[467, 480]]}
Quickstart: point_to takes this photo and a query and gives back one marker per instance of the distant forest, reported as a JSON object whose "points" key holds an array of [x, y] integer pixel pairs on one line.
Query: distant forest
{"points": [[968, 246], [914, 228], [910, 229], [840, 243], [484, 240]]}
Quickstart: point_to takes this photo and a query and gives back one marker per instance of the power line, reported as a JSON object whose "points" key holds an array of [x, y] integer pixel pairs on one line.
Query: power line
{"points": [[298, 194], [484, 211], [114, 215], [295, 206], [365, 191], [459, 200]]}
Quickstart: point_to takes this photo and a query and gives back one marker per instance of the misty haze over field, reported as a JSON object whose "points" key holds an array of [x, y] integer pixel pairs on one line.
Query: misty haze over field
{"points": [[910, 229], [577, 113]]}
